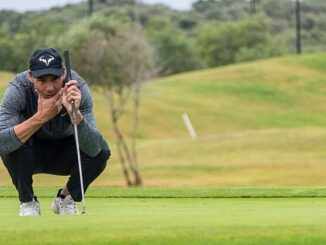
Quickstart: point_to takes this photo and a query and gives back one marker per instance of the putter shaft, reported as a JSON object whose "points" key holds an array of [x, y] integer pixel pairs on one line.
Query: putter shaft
{"points": [[74, 122], [78, 155]]}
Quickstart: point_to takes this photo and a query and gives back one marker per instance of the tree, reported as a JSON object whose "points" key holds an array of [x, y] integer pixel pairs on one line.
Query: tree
{"points": [[174, 52], [228, 43], [117, 61]]}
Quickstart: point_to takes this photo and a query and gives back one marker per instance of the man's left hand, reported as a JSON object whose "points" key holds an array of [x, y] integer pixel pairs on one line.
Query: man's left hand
{"points": [[72, 93]]}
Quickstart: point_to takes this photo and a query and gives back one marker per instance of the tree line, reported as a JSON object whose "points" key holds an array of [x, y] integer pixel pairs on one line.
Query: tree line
{"points": [[212, 33]]}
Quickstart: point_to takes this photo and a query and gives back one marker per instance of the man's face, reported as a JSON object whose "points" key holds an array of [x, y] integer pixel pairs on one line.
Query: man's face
{"points": [[47, 86]]}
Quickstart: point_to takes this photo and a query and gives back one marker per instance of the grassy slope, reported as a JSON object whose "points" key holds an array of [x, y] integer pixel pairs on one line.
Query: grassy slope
{"points": [[278, 93], [259, 123]]}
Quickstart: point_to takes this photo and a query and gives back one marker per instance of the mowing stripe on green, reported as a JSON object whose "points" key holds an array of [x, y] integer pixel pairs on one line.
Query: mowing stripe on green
{"points": [[185, 192]]}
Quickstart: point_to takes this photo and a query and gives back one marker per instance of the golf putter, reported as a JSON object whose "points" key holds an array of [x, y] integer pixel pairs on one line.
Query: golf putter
{"points": [[68, 70]]}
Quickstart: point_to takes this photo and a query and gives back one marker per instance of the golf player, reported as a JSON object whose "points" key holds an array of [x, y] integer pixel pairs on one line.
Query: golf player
{"points": [[37, 136]]}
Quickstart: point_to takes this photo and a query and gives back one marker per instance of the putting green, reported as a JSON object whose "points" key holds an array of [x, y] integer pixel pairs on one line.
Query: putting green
{"points": [[171, 220]]}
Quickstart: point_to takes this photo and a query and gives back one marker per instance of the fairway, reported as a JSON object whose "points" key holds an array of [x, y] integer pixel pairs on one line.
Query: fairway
{"points": [[178, 218]]}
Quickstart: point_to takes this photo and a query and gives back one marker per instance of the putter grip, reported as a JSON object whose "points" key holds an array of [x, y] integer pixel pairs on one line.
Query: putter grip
{"points": [[67, 62], [68, 70]]}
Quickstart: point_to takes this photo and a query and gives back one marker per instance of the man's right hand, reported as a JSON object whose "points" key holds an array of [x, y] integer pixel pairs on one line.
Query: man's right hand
{"points": [[49, 108]]}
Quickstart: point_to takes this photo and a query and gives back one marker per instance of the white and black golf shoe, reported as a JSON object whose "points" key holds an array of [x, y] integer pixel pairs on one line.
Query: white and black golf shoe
{"points": [[31, 208], [64, 205]]}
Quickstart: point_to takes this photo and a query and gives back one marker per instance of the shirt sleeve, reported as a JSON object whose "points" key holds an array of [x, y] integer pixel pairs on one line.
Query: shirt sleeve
{"points": [[90, 138], [10, 111]]}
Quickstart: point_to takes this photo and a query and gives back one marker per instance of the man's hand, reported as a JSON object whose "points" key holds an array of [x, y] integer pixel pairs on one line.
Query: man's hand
{"points": [[49, 108], [72, 93]]}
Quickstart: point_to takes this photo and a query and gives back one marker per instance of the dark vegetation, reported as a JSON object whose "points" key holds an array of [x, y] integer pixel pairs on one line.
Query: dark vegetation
{"points": [[212, 33]]}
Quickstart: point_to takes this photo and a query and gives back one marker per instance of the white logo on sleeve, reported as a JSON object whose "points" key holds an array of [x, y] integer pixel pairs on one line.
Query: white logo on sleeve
{"points": [[46, 59]]}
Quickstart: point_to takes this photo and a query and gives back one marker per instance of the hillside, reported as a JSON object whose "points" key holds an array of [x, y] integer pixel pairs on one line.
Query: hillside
{"points": [[259, 124], [277, 93]]}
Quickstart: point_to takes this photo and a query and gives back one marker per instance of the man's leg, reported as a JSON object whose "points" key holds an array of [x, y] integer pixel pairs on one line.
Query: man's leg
{"points": [[62, 160], [21, 165], [92, 167]]}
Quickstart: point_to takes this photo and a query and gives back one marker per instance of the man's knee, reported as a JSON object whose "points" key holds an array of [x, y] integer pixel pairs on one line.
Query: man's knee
{"points": [[103, 156], [99, 162], [105, 152], [21, 158]]}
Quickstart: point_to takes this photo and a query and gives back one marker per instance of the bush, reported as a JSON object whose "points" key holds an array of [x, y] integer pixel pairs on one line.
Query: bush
{"points": [[238, 41]]}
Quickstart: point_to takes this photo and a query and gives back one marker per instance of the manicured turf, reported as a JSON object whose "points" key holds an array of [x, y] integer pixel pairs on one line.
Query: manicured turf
{"points": [[183, 192], [177, 218]]}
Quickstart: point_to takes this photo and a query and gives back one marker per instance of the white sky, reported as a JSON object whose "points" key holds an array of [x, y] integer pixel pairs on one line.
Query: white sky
{"points": [[25, 5]]}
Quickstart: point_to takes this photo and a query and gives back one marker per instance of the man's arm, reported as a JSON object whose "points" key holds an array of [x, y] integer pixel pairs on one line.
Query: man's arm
{"points": [[13, 132], [26, 129], [90, 139], [12, 103], [47, 109]]}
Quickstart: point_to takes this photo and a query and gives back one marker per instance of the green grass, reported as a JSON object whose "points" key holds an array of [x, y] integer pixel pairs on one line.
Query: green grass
{"points": [[234, 98], [182, 192], [173, 216]]}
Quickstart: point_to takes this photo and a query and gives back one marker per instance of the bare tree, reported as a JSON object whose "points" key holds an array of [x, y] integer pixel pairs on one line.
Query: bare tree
{"points": [[134, 61], [116, 62], [128, 63]]}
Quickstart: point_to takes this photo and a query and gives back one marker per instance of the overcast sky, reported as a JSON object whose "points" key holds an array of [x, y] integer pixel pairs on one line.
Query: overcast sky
{"points": [[24, 5]]}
